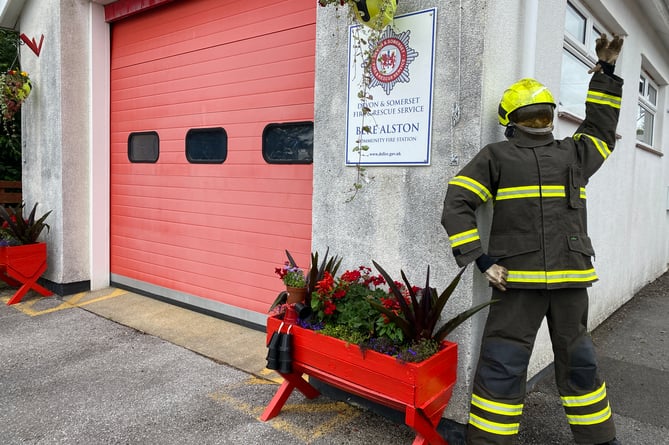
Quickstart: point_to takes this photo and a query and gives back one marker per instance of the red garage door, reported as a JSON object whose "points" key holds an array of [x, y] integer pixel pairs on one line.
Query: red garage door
{"points": [[213, 228]]}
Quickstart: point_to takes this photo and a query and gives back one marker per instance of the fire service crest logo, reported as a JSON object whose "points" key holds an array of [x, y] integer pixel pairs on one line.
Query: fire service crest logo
{"points": [[392, 57]]}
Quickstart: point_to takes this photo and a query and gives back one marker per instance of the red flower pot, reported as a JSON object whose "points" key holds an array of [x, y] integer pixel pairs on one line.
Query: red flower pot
{"points": [[420, 390]]}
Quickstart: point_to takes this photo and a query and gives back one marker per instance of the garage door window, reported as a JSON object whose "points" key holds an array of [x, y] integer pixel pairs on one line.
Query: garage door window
{"points": [[143, 147], [288, 143], [206, 145]]}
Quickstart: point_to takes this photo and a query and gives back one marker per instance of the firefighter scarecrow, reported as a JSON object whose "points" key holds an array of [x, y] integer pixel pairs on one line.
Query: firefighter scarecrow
{"points": [[539, 255]]}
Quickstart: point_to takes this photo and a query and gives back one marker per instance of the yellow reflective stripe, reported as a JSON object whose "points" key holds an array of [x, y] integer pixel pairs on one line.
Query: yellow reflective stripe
{"points": [[585, 399], [472, 185], [582, 193], [505, 429], [598, 97], [531, 191], [554, 276], [464, 237], [590, 419], [601, 146], [559, 276], [496, 407], [552, 191]]}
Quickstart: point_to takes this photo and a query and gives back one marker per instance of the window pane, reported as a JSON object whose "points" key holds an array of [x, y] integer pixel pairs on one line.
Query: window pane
{"points": [[288, 143], [143, 147], [575, 24], [652, 95], [574, 84], [206, 145], [596, 33], [642, 86], [644, 126]]}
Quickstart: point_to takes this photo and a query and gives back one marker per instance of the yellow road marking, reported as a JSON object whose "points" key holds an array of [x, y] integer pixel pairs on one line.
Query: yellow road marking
{"points": [[69, 302], [275, 378], [342, 414]]}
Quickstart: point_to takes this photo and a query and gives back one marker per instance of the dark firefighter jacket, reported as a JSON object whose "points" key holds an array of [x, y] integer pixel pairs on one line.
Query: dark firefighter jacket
{"points": [[537, 186]]}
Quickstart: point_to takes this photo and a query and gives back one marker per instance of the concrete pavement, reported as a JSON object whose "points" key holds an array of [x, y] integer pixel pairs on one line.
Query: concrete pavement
{"points": [[112, 367]]}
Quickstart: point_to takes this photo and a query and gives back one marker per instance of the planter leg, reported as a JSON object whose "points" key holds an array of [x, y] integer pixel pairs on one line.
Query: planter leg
{"points": [[291, 381], [277, 401], [426, 431], [29, 282], [302, 385]]}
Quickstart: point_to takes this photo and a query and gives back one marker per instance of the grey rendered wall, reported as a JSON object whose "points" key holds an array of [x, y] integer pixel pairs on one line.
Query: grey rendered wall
{"points": [[56, 131], [395, 220]]}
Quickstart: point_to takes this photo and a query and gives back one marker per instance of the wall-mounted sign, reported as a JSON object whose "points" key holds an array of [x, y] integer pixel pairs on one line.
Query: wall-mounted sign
{"points": [[400, 120]]}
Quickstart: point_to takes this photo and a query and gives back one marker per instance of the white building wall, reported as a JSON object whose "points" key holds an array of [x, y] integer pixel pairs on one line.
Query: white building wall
{"points": [[56, 145]]}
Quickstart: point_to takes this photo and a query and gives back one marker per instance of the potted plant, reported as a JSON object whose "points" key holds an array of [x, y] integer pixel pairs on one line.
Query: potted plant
{"points": [[379, 339], [316, 271], [295, 281], [22, 257], [15, 88]]}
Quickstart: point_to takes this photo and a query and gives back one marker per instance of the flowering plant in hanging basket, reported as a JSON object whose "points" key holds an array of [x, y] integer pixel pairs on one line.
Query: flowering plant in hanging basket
{"points": [[15, 88], [376, 14]]}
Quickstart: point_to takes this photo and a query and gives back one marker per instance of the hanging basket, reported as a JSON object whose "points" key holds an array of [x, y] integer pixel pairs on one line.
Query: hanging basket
{"points": [[15, 88], [377, 14]]}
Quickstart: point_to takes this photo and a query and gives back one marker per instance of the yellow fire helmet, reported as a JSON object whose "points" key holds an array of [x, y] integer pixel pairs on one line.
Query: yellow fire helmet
{"points": [[376, 14], [521, 94]]}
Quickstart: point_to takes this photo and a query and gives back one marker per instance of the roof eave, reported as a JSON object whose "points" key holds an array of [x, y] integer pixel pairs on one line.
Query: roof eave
{"points": [[10, 10]]}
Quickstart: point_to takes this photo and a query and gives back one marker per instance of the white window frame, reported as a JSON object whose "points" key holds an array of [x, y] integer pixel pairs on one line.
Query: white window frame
{"points": [[648, 106], [582, 51]]}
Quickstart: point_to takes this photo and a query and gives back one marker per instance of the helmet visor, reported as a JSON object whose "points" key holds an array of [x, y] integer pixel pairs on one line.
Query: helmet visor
{"points": [[533, 116]]}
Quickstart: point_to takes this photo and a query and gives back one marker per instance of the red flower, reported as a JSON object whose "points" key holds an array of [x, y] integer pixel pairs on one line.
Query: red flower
{"points": [[282, 271], [390, 303], [351, 276], [339, 294], [329, 308], [326, 284]]}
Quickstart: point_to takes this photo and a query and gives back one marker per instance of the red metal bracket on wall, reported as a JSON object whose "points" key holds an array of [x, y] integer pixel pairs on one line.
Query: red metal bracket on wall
{"points": [[32, 44]]}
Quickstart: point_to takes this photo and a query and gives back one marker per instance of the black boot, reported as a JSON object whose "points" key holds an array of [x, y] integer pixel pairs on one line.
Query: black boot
{"points": [[611, 442]]}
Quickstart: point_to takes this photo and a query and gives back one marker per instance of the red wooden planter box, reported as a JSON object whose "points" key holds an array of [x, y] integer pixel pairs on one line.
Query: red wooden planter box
{"points": [[420, 390], [22, 266]]}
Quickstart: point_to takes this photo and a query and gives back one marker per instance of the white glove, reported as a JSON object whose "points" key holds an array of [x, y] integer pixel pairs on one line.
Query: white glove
{"points": [[497, 275]]}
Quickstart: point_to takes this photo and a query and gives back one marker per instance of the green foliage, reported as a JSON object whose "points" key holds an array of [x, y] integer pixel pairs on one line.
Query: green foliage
{"points": [[358, 314], [387, 329], [344, 333], [420, 315], [419, 350], [20, 230], [347, 300], [10, 141]]}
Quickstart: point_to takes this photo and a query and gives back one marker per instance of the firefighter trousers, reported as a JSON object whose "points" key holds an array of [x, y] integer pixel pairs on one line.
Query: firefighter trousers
{"points": [[508, 339]]}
